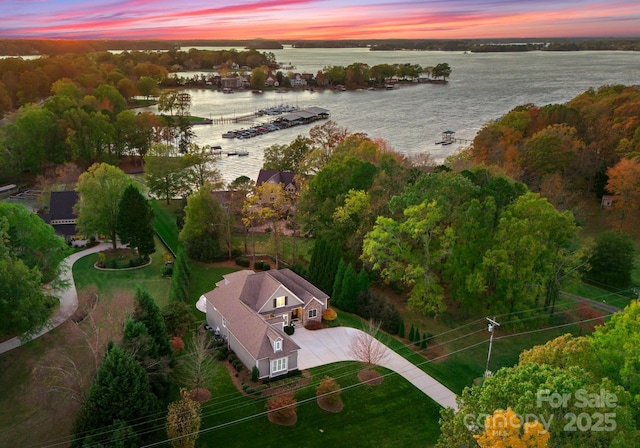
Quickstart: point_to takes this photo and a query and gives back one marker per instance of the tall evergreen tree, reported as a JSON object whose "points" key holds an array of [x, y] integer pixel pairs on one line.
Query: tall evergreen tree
{"points": [[349, 295], [324, 264], [120, 391], [182, 263], [412, 333], [337, 284], [135, 221], [147, 339], [363, 280], [137, 342], [401, 329], [315, 263], [180, 278], [148, 312]]}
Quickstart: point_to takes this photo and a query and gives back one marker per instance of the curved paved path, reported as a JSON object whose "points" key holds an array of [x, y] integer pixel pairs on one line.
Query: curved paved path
{"points": [[330, 345], [68, 298]]}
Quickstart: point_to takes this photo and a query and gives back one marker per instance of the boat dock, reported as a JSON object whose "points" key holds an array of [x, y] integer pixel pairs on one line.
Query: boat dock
{"points": [[449, 137], [287, 120], [236, 119], [275, 110]]}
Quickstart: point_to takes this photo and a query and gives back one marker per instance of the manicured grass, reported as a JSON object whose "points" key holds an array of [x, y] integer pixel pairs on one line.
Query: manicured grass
{"points": [[109, 282], [392, 414], [304, 246], [203, 279], [164, 222]]}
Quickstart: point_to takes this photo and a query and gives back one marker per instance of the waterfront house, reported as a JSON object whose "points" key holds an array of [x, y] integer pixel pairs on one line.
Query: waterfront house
{"points": [[297, 80], [286, 178], [250, 310]]}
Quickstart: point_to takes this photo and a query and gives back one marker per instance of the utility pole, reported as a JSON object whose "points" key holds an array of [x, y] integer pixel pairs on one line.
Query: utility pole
{"points": [[491, 326]]}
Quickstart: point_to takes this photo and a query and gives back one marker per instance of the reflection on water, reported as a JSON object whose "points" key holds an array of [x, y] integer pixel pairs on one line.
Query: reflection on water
{"points": [[411, 118]]}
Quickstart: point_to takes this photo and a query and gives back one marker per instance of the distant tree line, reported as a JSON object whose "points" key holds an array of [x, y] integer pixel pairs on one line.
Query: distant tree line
{"points": [[476, 45], [22, 47]]}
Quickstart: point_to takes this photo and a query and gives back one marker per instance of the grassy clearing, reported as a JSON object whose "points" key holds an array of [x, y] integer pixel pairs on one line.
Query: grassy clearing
{"points": [[392, 414]]}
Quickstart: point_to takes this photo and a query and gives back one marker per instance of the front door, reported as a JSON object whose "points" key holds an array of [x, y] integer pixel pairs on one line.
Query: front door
{"points": [[295, 314]]}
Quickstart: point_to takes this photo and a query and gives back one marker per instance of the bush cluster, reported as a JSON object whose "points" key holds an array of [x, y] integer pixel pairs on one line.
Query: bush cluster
{"points": [[167, 270], [251, 390], [261, 265], [243, 261], [289, 374], [289, 329]]}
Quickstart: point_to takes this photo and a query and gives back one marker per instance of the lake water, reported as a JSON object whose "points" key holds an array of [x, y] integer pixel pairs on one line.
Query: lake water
{"points": [[482, 87]]}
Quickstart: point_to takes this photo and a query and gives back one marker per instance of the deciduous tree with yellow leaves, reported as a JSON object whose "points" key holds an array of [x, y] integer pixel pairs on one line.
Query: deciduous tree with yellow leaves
{"points": [[503, 429]]}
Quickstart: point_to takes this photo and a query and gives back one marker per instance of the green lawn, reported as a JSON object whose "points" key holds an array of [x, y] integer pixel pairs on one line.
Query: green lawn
{"points": [[164, 222], [109, 282], [303, 248], [203, 279], [392, 414]]}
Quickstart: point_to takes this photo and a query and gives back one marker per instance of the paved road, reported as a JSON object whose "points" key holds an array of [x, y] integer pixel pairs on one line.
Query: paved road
{"points": [[331, 345], [68, 298]]}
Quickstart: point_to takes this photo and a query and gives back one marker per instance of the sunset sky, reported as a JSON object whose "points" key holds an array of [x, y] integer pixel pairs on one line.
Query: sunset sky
{"points": [[317, 19]]}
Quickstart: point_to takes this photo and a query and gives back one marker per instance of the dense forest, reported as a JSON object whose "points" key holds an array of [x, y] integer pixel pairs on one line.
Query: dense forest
{"points": [[572, 153]]}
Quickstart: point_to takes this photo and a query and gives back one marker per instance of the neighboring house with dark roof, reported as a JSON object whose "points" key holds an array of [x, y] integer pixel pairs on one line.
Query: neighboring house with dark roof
{"points": [[61, 215], [250, 310], [286, 178]]}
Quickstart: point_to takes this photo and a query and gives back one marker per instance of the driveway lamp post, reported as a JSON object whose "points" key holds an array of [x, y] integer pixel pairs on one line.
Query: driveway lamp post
{"points": [[491, 326]]}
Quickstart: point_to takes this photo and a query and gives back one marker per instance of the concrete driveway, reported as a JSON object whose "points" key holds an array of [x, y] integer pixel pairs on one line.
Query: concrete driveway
{"points": [[331, 345]]}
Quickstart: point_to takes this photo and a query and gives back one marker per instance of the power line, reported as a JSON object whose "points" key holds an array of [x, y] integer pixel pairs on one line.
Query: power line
{"points": [[161, 416]]}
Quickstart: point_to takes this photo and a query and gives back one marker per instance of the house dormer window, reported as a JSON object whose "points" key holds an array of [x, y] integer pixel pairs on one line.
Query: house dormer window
{"points": [[277, 345], [279, 301]]}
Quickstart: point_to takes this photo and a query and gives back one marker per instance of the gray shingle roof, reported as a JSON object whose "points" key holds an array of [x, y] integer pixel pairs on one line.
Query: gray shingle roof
{"points": [[238, 297]]}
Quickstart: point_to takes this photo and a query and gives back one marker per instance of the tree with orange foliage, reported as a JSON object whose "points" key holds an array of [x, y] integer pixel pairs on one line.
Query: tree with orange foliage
{"points": [[624, 183], [503, 430], [281, 408]]}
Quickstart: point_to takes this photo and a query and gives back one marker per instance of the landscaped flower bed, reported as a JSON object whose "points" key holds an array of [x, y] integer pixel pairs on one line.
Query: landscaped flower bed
{"points": [[120, 259]]}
